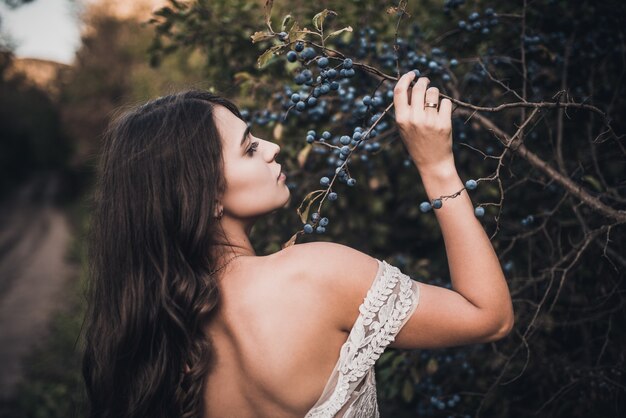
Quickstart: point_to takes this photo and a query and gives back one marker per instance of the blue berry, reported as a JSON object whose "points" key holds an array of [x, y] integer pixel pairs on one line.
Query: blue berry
{"points": [[479, 211], [437, 203], [320, 229], [311, 101], [351, 182], [292, 56], [299, 46], [345, 150], [367, 100], [283, 36], [347, 63], [454, 62], [315, 216], [324, 181], [300, 106], [324, 221], [326, 135], [425, 207], [310, 139], [332, 73], [322, 62], [471, 184], [332, 195], [345, 140], [308, 53], [308, 228], [295, 97], [349, 73]]}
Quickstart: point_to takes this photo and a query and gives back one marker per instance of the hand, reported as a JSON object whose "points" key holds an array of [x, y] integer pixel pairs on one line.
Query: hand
{"points": [[425, 131]]}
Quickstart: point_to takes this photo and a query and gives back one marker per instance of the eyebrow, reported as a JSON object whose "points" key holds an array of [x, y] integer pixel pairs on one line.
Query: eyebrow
{"points": [[245, 135]]}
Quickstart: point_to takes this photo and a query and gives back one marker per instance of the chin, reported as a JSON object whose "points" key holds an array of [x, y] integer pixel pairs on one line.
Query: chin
{"points": [[288, 198]]}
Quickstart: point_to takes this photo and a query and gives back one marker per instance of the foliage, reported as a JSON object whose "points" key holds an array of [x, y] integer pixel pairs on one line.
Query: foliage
{"points": [[32, 136], [539, 94], [111, 70]]}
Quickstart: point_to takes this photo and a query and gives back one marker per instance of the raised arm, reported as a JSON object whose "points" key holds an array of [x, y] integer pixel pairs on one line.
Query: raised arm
{"points": [[479, 307]]}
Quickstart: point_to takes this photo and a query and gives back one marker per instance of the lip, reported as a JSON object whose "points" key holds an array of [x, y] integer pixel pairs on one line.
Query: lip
{"points": [[282, 176], [280, 173]]}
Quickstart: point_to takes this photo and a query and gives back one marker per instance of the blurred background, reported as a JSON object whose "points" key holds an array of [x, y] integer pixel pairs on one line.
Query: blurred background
{"points": [[67, 65], [64, 66]]}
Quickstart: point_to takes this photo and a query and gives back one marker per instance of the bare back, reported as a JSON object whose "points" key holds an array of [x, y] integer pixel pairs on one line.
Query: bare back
{"points": [[274, 340]]}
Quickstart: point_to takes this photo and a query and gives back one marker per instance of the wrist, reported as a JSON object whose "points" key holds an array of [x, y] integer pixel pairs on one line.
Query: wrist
{"points": [[444, 181], [440, 172]]}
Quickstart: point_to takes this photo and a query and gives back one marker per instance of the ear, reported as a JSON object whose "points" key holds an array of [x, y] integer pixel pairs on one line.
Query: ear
{"points": [[218, 209]]}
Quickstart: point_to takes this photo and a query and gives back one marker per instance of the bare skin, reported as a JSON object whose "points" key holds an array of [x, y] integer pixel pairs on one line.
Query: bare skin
{"points": [[284, 317], [267, 339], [266, 336]]}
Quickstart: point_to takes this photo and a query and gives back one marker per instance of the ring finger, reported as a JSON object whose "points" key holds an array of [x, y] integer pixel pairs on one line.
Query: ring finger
{"points": [[432, 97]]}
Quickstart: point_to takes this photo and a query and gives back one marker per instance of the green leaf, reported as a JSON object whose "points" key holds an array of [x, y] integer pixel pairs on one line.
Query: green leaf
{"points": [[293, 32], [407, 391], [337, 32], [261, 36], [268, 14], [308, 200], [267, 55], [286, 20], [318, 19], [291, 241], [593, 181]]}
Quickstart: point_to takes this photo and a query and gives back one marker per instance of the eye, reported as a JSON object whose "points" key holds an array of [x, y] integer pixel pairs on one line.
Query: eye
{"points": [[252, 148]]}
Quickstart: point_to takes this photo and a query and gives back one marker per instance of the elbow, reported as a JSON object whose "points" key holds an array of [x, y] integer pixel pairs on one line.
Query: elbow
{"points": [[505, 327]]}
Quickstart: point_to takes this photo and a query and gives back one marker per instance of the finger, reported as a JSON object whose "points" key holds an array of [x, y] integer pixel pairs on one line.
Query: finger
{"points": [[432, 96], [417, 95], [400, 93], [445, 108]]}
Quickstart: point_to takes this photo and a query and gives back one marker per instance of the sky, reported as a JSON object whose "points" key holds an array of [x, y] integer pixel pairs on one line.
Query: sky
{"points": [[45, 29]]}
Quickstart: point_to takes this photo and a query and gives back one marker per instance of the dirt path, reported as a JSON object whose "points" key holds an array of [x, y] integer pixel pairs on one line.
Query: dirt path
{"points": [[34, 237]]}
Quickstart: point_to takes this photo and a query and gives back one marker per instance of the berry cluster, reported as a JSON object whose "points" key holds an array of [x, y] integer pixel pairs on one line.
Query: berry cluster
{"points": [[323, 90], [476, 23]]}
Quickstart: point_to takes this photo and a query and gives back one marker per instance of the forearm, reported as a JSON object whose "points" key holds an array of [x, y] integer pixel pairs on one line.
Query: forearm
{"points": [[474, 266]]}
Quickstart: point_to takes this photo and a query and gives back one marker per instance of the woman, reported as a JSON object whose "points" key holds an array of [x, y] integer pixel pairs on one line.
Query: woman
{"points": [[185, 319]]}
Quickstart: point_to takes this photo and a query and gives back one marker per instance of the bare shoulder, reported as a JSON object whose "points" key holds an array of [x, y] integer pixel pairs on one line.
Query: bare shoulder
{"points": [[340, 275]]}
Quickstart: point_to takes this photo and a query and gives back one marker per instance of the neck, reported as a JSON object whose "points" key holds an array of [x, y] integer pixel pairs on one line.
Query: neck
{"points": [[236, 239]]}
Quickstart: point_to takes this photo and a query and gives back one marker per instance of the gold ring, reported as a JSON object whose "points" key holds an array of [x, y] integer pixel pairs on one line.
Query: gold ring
{"points": [[428, 104]]}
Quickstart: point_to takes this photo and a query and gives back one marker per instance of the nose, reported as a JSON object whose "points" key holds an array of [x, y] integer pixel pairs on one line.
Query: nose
{"points": [[275, 152]]}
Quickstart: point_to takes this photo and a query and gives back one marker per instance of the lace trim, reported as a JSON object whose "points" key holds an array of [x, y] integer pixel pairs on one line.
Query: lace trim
{"points": [[370, 334]]}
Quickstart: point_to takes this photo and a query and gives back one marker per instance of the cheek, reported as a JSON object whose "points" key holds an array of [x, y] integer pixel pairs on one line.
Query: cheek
{"points": [[246, 177]]}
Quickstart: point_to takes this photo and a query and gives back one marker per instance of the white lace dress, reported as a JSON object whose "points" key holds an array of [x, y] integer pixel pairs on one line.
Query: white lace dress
{"points": [[351, 389]]}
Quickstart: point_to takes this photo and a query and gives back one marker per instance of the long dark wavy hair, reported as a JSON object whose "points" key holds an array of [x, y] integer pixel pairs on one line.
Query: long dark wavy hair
{"points": [[150, 238]]}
